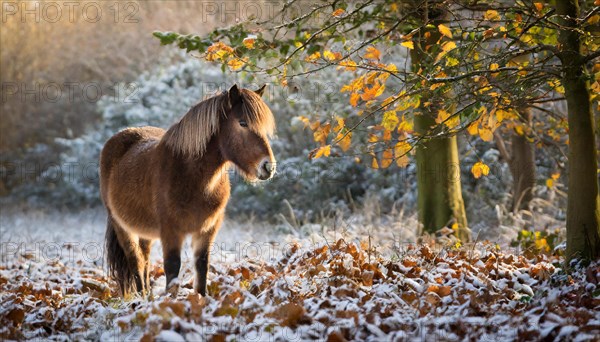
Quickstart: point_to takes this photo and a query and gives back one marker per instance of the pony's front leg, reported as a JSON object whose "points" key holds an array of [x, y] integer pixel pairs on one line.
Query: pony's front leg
{"points": [[202, 242], [171, 243]]}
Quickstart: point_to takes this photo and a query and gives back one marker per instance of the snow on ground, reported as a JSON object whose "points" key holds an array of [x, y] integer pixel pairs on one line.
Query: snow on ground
{"points": [[349, 279]]}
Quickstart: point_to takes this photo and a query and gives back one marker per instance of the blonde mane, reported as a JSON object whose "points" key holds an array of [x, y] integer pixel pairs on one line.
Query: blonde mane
{"points": [[193, 132]]}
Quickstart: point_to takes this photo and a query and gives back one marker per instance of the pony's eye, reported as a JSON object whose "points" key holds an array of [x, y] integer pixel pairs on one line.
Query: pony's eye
{"points": [[243, 123]]}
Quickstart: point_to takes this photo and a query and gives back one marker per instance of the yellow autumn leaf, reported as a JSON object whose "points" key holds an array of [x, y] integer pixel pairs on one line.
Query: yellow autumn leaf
{"points": [[370, 79], [355, 85], [330, 56], [390, 120], [494, 66], [374, 163], [348, 65], [501, 115], [444, 30], [542, 245], [320, 135], [313, 57], [473, 128], [401, 152], [451, 61], [491, 15], [549, 182], [339, 124], [391, 68], [218, 51], [480, 169], [405, 126], [520, 129], [436, 85], [486, 134], [555, 176], [235, 63], [408, 44], [372, 53], [344, 141], [304, 120], [538, 6], [322, 151], [338, 12], [447, 46]]}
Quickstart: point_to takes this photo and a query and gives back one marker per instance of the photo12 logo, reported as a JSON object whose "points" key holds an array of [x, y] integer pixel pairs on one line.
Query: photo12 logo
{"points": [[54, 92], [70, 11]]}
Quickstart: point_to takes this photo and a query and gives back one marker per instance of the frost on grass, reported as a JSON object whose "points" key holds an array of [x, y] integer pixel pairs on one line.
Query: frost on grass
{"points": [[335, 290]]}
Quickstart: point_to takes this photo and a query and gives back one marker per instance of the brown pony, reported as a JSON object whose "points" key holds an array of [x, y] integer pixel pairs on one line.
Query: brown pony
{"points": [[166, 185]]}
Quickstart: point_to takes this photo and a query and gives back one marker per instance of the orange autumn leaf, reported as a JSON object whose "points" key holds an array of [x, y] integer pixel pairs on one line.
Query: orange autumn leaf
{"points": [[354, 97], [338, 12], [373, 92], [387, 158], [344, 141], [372, 53], [249, 42]]}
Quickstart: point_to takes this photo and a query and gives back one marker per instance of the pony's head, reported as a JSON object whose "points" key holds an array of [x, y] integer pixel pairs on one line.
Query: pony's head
{"points": [[240, 123], [244, 133]]}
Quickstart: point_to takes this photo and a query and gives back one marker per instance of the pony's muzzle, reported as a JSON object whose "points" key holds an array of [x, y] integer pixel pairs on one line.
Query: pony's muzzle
{"points": [[266, 169]]}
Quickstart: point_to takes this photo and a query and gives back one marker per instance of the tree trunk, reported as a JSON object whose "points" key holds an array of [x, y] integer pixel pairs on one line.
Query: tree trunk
{"points": [[583, 208], [521, 161], [439, 188], [522, 167], [440, 199]]}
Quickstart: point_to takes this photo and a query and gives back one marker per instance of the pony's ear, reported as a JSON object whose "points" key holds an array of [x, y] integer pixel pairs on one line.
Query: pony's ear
{"points": [[234, 95], [261, 90]]}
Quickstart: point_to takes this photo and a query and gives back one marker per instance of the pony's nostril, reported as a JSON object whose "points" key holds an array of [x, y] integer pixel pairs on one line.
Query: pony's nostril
{"points": [[269, 167], [266, 170]]}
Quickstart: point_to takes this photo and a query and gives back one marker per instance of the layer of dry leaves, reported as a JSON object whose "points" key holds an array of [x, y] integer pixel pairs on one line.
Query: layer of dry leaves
{"points": [[334, 292]]}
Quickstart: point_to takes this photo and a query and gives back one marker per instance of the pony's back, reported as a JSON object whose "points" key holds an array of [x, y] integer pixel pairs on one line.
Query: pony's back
{"points": [[118, 145]]}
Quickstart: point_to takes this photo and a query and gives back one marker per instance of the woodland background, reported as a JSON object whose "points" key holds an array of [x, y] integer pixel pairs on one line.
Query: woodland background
{"points": [[347, 206]]}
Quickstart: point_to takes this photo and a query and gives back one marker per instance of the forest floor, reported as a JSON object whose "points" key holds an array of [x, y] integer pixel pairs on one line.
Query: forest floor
{"points": [[334, 283]]}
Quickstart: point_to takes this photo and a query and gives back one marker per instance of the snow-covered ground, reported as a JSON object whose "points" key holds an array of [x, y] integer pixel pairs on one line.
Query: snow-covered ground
{"points": [[360, 278]]}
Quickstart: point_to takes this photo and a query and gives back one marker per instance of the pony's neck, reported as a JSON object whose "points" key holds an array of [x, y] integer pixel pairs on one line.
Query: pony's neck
{"points": [[212, 166]]}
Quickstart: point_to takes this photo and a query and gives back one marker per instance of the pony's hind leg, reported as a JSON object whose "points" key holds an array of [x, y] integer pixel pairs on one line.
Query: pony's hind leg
{"points": [[131, 267]]}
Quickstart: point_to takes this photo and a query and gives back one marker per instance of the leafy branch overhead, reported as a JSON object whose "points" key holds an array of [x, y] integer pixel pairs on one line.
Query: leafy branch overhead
{"points": [[486, 64]]}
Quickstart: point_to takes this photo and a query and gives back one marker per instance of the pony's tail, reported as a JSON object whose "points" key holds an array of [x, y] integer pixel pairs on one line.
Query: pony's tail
{"points": [[118, 267]]}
